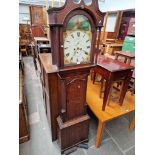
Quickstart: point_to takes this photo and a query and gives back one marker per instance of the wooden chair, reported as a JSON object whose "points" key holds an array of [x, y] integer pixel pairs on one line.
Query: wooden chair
{"points": [[111, 111], [23, 47]]}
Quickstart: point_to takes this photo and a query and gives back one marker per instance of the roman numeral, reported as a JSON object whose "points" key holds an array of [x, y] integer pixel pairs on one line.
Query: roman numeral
{"points": [[84, 35], [68, 41], [87, 41], [86, 53], [71, 59], [65, 48], [88, 46], [72, 36], [78, 34], [67, 54]]}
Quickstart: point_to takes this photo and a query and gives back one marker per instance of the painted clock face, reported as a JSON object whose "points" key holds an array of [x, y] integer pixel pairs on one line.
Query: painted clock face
{"points": [[77, 41]]}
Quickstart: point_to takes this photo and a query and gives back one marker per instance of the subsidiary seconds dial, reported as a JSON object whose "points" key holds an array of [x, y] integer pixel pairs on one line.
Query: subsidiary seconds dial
{"points": [[77, 47]]}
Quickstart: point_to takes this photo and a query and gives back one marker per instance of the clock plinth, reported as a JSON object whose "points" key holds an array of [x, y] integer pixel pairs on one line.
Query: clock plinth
{"points": [[73, 132]]}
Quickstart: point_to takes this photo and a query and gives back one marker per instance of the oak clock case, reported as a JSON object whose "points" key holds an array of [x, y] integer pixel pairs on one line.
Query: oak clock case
{"points": [[73, 32], [77, 59]]}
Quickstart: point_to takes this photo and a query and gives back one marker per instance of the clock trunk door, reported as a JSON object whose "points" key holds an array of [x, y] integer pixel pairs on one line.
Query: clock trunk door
{"points": [[76, 98]]}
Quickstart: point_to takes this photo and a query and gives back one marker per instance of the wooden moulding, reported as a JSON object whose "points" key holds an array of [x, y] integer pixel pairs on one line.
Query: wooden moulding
{"points": [[24, 139], [72, 132]]}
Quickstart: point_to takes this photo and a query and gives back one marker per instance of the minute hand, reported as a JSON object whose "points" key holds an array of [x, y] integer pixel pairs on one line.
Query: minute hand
{"points": [[85, 52]]}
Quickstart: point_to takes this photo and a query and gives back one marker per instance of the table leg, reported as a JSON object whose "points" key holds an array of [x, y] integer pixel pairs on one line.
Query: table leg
{"points": [[99, 134], [116, 56], [101, 89], [125, 60], [125, 87], [108, 85], [129, 61], [132, 124]]}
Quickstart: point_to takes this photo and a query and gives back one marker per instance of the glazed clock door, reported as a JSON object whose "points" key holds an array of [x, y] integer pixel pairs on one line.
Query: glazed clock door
{"points": [[77, 41]]}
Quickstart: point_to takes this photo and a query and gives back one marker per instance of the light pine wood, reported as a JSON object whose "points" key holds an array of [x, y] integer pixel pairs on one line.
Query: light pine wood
{"points": [[119, 23], [99, 133], [112, 111], [132, 124], [104, 27]]}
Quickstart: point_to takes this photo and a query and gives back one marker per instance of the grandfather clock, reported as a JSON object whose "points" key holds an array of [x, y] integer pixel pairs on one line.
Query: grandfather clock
{"points": [[73, 32]]}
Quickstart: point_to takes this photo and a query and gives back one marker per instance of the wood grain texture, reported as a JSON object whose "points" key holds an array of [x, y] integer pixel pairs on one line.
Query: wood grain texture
{"points": [[23, 121], [99, 133], [112, 111], [70, 132]]}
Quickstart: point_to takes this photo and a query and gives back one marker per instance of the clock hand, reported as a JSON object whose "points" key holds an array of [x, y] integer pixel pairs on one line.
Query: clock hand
{"points": [[85, 52]]}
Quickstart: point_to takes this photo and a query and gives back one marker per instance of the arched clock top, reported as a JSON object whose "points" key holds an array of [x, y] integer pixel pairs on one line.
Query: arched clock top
{"points": [[80, 19], [57, 16]]}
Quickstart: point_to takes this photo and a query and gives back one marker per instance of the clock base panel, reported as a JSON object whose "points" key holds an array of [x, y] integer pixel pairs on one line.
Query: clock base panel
{"points": [[73, 132]]}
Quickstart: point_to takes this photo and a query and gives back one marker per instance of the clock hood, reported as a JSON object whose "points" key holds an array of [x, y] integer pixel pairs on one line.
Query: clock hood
{"points": [[57, 16]]}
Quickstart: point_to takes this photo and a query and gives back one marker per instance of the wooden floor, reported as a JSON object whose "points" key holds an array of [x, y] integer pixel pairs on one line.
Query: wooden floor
{"points": [[112, 111]]}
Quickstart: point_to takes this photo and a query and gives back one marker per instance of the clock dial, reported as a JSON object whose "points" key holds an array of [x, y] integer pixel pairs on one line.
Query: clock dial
{"points": [[77, 41], [77, 47]]}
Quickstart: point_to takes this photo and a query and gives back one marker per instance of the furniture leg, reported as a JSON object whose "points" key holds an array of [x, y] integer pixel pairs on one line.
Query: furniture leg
{"points": [[109, 95], [94, 77], [116, 56], [125, 87], [125, 60], [108, 85], [132, 124], [129, 61], [91, 74], [102, 83], [99, 133]]}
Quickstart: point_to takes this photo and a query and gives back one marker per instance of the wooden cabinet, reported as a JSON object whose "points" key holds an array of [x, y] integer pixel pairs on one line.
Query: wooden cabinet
{"points": [[23, 120], [49, 79], [127, 24]]}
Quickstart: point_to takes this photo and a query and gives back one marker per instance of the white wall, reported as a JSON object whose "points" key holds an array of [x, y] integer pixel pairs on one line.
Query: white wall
{"points": [[104, 5], [23, 13], [113, 5]]}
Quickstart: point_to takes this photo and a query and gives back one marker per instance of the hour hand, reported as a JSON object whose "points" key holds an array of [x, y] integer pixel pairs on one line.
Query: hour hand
{"points": [[85, 52]]}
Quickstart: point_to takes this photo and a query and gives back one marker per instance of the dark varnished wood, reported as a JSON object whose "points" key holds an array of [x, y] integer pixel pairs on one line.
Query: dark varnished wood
{"points": [[70, 132], [113, 70], [58, 17], [64, 87], [112, 65], [72, 90], [127, 55], [23, 120], [69, 6], [50, 90]]}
